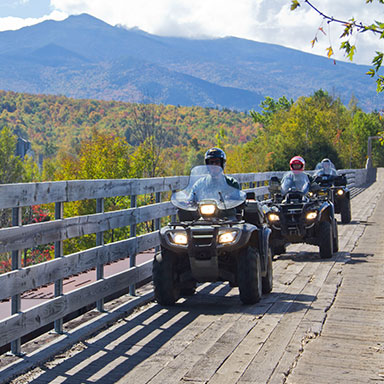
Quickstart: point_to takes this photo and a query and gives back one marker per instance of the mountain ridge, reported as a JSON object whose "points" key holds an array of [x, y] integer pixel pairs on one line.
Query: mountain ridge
{"points": [[85, 57]]}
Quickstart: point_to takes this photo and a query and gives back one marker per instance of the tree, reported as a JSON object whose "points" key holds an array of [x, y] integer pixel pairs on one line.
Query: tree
{"points": [[270, 106], [102, 156], [312, 127], [11, 166], [147, 132], [352, 27]]}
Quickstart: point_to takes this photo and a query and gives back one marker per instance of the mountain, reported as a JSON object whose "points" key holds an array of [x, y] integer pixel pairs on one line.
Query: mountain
{"points": [[83, 57]]}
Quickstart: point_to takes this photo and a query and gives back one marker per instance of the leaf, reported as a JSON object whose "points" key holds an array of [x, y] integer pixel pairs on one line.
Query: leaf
{"points": [[380, 84], [351, 52], [346, 46], [371, 72], [347, 30], [329, 52], [294, 4], [379, 24], [378, 60]]}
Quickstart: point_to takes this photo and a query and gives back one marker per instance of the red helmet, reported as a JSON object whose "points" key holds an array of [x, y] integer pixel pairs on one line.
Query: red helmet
{"points": [[297, 164]]}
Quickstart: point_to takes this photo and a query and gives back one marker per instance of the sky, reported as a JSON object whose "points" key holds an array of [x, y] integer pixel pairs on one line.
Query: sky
{"points": [[268, 21]]}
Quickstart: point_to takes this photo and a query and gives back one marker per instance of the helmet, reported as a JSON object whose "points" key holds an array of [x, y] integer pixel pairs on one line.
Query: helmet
{"points": [[327, 166], [326, 162], [215, 153], [297, 164]]}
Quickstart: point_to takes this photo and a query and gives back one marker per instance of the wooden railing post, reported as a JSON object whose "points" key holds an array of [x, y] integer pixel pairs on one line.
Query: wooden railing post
{"points": [[100, 241], [157, 221], [59, 208], [132, 258], [16, 264], [173, 217]]}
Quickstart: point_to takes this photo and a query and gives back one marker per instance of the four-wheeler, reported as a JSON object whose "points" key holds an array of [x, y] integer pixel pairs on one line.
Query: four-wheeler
{"points": [[220, 235], [327, 177], [297, 216]]}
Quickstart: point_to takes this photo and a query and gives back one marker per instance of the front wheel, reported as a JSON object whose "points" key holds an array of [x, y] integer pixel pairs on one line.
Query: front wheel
{"points": [[167, 290], [326, 240], [345, 211], [267, 280], [249, 275]]}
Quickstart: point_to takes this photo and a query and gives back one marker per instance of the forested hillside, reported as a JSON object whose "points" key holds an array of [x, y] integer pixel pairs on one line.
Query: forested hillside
{"points": [[160, 140], [54, 123]]}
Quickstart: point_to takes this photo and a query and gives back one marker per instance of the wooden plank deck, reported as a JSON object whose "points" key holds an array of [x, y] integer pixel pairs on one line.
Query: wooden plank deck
{"points": [[322, 323]]}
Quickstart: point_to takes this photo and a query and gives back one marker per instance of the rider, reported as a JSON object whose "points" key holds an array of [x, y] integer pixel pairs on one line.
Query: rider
{"points": [[215, 179], [216, 156], [325, 167], [296, 178]]}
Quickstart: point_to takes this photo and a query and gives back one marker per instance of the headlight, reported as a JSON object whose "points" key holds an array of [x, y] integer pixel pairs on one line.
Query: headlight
{"points": [[273, 217], [227, 237], [311, 194], [311, 215], [340, 192], [207, 209], [179, 237]]}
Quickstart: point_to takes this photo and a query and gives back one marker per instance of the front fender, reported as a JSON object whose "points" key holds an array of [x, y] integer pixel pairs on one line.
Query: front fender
{"points": [[263, 244], [327, 211]]}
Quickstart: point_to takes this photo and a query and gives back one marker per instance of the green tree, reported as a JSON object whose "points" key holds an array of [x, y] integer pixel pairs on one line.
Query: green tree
{"points": [[31, 170], [11, 166], [270, 106], [102, 156], [351, 27], [311, 127], [364, 125]]}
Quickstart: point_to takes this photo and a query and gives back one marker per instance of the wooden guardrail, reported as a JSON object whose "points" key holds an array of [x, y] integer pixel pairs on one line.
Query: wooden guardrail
{"points": [[19, 237]]}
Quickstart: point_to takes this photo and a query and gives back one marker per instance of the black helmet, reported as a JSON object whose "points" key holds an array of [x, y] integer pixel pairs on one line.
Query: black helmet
{"points": [[215, 153]]}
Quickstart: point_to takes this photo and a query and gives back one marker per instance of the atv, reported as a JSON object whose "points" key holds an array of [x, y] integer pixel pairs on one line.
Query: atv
{"points": [[327, 177], [219, 236], [299, 213]]}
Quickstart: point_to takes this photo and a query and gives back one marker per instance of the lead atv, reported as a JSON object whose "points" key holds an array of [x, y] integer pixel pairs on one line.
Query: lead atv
{"points": [[296, 216], [327, 177], [211, 241]]}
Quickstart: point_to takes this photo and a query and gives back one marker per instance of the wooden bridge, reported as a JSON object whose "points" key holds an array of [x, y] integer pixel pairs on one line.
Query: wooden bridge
{"points": [[209, 337]]}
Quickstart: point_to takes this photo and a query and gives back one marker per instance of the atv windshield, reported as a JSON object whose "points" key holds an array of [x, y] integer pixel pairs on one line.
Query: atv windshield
{"points": [[325, 168], [295, 182], [208, 183]]}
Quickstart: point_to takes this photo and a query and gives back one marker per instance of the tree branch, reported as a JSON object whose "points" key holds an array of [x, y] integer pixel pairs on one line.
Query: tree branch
{"points": [[360, 26]]}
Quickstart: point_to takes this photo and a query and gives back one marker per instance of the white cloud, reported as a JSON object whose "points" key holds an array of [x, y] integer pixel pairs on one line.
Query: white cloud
{"points": [[261, 20], [13, 23]]}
